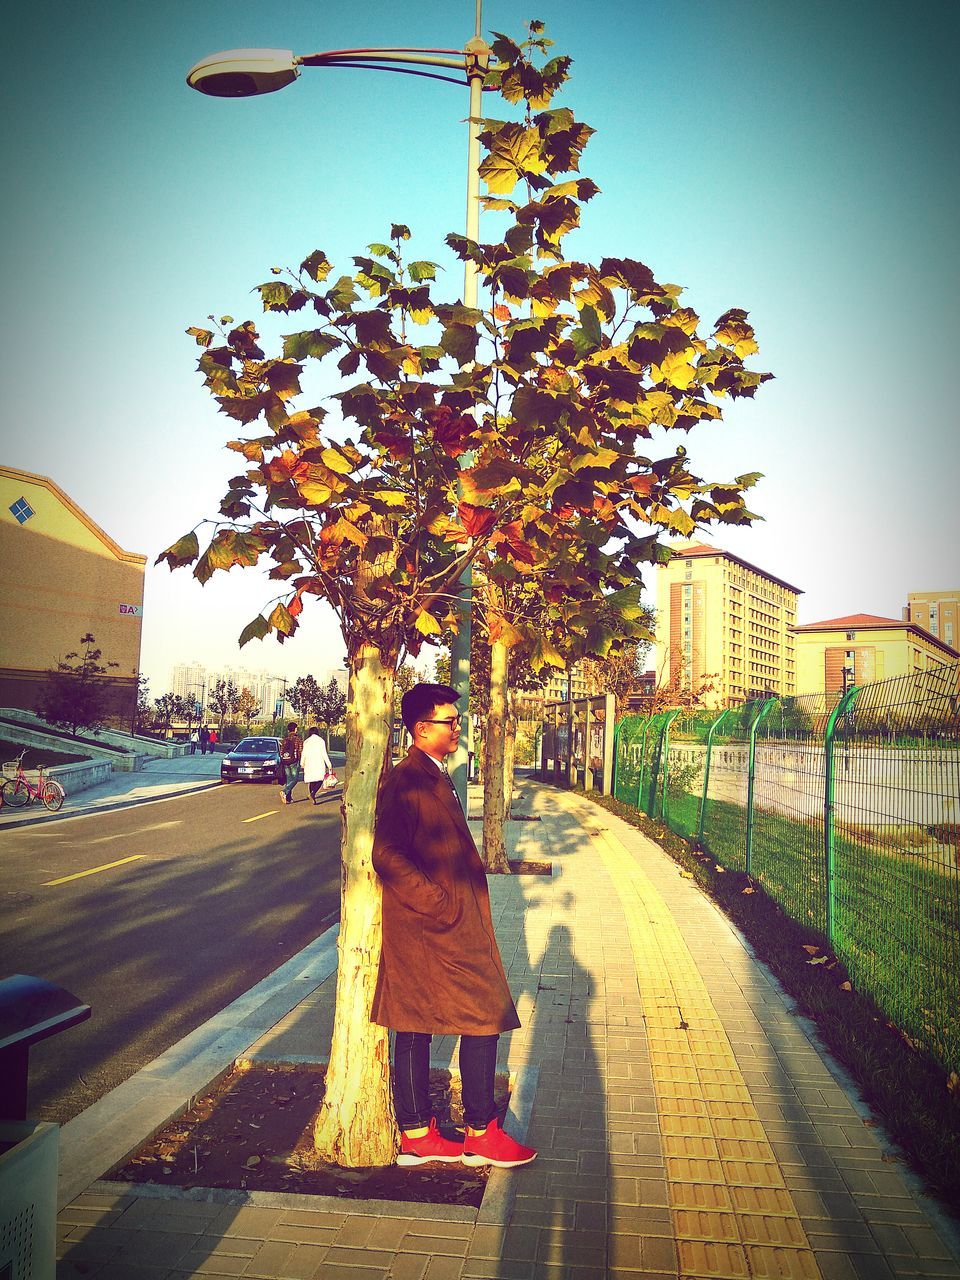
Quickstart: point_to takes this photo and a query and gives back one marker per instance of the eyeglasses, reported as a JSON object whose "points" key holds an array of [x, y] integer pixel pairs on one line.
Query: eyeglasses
{"points": [[451, 721]]}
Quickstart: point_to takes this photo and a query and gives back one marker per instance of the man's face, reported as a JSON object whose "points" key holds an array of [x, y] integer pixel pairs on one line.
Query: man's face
{"points": [[439, 734]]}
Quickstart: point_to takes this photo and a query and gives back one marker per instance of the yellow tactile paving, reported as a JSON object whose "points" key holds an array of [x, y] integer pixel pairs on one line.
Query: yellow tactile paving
{"points": [[732, 1213]]}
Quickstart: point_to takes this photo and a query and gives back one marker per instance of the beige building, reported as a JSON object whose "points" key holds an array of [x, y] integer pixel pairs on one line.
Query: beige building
{"points": [[862, 648], [937, 612], [563, 685], [62, 576], [724, 627]]}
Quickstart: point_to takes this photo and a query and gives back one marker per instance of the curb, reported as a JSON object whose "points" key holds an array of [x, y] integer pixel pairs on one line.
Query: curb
{"points": [[104, 1134]]}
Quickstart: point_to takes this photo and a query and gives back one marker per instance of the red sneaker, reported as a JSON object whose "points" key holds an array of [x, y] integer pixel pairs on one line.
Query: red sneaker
{"points": [[495, 1147], [432, 1146]]}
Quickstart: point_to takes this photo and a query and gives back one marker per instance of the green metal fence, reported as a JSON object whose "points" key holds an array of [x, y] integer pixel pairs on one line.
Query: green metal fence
{"points": [[846, 809]]}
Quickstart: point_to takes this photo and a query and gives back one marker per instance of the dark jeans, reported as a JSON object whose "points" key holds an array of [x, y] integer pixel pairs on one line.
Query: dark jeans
{"points": [[411, 1077]]}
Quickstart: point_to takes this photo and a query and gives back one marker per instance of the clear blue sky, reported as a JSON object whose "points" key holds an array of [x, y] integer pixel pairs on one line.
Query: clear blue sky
{"points": [[796, 159]]}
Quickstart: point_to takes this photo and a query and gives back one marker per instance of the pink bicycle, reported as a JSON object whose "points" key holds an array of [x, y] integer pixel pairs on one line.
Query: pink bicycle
{"points": [[19, 790]]}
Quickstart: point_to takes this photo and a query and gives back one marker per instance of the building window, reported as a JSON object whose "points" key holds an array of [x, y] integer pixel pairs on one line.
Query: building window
{"points": [[21, 511], [948, 633]]}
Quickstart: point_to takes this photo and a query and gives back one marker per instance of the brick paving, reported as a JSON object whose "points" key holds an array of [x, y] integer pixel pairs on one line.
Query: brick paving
{"points": [[688, 1124]]}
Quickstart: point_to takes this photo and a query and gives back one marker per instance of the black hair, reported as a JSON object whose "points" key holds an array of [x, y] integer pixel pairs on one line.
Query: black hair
{"points": [[419, 702], [312, 730], [292, 727]]}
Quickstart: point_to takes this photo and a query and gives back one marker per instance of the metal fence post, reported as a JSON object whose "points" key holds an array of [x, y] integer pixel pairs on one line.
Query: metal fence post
{"points": [[829, 737], [751, 769], [663, 755], [643, 758], [706, 773]]}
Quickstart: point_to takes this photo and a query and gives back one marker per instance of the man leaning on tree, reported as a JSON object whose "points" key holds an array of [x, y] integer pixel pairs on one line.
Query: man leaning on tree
{"points": [[440, 968]]}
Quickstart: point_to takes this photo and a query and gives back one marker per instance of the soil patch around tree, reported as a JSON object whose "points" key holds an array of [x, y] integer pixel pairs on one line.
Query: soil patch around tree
{"points": [[253, 1131], [527, 867]]}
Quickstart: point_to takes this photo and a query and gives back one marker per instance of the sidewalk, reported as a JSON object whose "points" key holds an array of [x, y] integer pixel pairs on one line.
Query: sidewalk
{"points": [[157, 780], [687, 1122]]}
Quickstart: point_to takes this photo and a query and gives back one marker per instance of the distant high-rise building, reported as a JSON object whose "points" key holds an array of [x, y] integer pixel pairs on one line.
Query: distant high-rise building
{"points": [[563, 686], [188, 680], [861, 648], [937, 612], [724, 627]]}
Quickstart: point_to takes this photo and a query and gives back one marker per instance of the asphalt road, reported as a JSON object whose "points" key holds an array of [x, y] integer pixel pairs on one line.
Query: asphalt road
{"points": [[158, 916]]}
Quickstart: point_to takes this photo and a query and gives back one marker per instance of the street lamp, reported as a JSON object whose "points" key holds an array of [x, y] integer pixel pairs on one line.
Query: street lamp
{"points": [[244, 73], [283, 696]]}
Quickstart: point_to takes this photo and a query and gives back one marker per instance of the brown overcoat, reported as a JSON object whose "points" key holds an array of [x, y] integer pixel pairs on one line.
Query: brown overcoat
{"points": [[440, 968]]}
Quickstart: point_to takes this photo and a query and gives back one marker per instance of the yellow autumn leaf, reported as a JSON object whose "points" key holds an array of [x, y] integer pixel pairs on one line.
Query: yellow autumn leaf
{"points": [[335, 460], [513, 151], [505, 632], [350, 532], [427, 624], [676, 370], [313, 492]]}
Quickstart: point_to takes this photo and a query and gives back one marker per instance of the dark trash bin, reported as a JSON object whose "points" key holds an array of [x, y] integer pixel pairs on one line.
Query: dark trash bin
{"points": [[31, 1009]]}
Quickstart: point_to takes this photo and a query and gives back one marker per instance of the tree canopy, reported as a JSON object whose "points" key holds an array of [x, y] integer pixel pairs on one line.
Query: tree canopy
{"points": [[523, 436]]}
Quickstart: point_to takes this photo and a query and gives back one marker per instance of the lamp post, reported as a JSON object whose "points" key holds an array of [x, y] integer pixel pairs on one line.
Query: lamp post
{"points": [[243, 73], [283, 696]]}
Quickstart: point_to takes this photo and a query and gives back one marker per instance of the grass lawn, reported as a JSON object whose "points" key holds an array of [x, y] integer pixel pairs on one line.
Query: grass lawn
{"points": [[36, 755]]}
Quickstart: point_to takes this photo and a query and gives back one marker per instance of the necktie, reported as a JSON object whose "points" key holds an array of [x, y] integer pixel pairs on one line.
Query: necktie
{"points": [[446, 774]]}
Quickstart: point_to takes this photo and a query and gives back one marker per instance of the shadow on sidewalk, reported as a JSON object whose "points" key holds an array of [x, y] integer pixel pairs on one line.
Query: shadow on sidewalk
{"points": [[560, 1215]]}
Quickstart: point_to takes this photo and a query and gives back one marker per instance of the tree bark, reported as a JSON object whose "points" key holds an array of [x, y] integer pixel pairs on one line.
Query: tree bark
{"points": [[494, 850], [509, 752], [355, 1126]]}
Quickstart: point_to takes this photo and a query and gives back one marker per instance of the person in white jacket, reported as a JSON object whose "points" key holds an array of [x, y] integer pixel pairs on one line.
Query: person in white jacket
{"points": [[314, 761]]}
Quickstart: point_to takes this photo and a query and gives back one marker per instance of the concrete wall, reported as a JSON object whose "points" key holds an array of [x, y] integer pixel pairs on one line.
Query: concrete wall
{"points": [[28, 735], [79, 777]]}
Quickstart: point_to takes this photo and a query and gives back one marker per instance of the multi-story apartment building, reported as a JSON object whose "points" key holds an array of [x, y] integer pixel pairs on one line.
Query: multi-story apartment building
{"points": [[63, 577], [189, 680], [724, 627], [861, 648], [563, 685], [937, 612]]}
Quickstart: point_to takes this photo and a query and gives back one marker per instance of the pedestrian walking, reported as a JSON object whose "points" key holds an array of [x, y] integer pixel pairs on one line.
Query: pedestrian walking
{"points": [[204, 739], [315, 762], [440, 967], [213, 739], [290, 750]]}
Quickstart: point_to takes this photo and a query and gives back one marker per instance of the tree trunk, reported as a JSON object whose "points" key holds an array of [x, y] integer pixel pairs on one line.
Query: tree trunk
{"points": [[494, 850], [355, 1126], [509, 753]]}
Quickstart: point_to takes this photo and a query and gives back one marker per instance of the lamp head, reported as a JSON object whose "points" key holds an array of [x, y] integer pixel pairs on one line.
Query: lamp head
{"points": [[242, 73]]}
